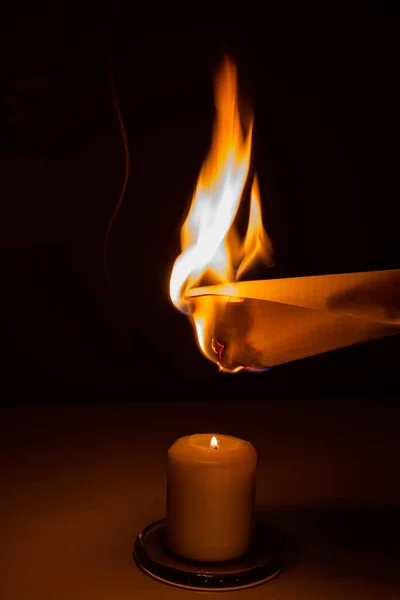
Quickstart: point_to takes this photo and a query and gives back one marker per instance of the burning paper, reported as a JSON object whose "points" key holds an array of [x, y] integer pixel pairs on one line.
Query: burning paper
{"points": [[257, 324], [281, 320]]}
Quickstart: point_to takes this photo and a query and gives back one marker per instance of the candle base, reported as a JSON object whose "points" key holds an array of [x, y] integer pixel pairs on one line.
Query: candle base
{"points": [[261, 564]]}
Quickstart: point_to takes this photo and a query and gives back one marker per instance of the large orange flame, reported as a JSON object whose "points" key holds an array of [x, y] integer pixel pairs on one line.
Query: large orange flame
{"points": [[211, 245]]}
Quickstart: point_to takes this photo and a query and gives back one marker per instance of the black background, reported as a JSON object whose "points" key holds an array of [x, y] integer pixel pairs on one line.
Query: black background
{"points": [[323, 91]]}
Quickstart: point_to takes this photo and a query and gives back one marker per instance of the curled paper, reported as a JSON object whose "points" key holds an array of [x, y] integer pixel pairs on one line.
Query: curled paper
{"points": [[265, 323]]}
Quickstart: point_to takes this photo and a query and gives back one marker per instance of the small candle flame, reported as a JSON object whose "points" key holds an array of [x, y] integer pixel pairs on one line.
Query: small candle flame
{"points": [[214, 443]]}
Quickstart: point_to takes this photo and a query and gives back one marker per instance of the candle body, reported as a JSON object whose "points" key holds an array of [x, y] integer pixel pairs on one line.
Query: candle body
{"points": [[210, 497]]}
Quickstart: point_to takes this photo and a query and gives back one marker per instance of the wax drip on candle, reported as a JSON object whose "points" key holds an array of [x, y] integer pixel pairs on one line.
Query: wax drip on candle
{"points": [[214, 443]]}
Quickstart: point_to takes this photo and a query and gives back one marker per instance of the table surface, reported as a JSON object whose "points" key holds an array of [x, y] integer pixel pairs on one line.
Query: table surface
{"points": [[80, 481]]}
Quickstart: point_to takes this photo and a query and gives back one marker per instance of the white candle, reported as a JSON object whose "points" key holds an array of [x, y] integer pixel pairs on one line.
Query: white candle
{"points": [[210, 496]]}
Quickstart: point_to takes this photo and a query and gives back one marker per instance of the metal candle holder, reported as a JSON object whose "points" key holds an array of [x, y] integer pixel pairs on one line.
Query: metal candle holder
{"points": [[260, 564]]}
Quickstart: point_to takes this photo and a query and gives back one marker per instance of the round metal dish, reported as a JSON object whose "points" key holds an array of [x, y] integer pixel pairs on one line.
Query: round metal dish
{"points": [[261, 564]]}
